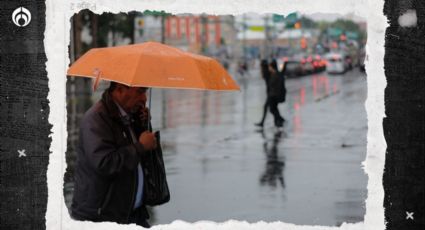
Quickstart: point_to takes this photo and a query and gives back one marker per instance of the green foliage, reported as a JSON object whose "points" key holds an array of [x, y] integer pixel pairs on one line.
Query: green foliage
{"points": [[156, 13], [346, 25], [341, 26], [307, 23], [290, 20], [117, 24]]}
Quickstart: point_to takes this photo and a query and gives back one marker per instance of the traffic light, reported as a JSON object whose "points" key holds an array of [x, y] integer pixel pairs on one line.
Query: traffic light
{"points": [[303, 43], [141, 23], [297, 25]]}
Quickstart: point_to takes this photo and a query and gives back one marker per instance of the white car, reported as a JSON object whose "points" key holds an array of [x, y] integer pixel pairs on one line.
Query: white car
{"points": [[336, 63]]}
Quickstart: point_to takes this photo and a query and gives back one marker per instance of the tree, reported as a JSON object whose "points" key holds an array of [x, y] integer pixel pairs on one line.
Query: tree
{"points": [[349, 26], [338, 27], [346, 25], [307, 23], [118, 24]]}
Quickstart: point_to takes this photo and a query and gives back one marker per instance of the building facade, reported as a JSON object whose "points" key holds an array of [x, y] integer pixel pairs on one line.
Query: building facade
{"points": [[200, 33]]}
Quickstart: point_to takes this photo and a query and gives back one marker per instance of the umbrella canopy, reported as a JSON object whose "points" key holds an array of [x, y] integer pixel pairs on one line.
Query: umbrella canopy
{"points": [[154, 65]]}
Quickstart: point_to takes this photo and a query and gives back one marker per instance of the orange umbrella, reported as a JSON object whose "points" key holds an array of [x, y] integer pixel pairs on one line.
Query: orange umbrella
{"points": [[154, 65]]}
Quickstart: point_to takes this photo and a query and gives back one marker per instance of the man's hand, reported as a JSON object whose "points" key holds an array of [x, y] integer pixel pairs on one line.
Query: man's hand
{"points": [[148, 140]]}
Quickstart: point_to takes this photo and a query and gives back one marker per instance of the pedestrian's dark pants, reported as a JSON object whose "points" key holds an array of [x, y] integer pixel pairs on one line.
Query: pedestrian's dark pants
{"points": [[266, 106], [278, 119], [139, 216]]}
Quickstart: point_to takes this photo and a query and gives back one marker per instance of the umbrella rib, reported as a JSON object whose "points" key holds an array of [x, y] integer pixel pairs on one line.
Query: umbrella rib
{"points": [[135, 69], [199, 72]]}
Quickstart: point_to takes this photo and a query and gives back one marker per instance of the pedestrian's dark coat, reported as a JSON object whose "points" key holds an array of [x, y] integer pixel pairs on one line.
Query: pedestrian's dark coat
{"points": [[106, 167], [265, 73], [276, 87]]}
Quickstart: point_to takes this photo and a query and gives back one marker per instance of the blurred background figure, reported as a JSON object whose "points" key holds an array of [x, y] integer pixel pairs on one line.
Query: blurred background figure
{"points": [[276, 92], [265, 74]]}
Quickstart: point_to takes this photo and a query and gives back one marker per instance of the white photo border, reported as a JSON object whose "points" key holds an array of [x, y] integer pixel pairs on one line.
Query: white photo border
{"points": [[57, 34]]}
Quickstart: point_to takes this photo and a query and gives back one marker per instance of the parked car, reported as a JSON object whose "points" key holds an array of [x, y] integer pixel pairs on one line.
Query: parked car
{"points": [[293, 69], [336, 63], [307, 65], [319, 63], [312, 63], [348, 61], [362, 56]]}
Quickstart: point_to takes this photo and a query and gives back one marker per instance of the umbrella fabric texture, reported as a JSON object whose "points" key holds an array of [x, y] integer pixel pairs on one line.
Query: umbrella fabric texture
{"points": [[154, 65]]}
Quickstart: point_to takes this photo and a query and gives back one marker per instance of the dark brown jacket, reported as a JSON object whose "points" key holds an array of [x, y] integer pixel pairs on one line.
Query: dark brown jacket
{"points": [[106, 167]]}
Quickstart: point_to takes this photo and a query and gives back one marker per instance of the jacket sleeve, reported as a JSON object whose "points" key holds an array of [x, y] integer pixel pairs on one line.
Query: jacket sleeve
{"points": [[101, 149]]}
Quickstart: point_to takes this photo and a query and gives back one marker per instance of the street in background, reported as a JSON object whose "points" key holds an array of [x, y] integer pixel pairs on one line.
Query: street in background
{"points": [[308, 172]]}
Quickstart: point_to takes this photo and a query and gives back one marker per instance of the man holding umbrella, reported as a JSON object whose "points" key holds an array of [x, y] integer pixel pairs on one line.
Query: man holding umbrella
{"points": [[108, 173], [113, 136]]}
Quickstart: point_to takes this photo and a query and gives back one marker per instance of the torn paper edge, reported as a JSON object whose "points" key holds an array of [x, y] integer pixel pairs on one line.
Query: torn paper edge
{"points": [[56, 42]]}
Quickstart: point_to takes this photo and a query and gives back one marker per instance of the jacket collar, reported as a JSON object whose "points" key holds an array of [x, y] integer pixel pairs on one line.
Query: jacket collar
{"points": [[110, 105]]}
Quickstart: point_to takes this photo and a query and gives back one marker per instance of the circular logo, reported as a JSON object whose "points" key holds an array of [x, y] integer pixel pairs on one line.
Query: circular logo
{"points": [[21, 17]]}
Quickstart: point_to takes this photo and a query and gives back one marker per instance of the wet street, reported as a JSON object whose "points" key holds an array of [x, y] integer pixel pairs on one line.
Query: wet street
{"points": [[221, 166]]}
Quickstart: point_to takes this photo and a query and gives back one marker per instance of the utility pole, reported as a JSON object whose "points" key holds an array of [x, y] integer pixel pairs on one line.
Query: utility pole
{"points": [[94, 25], [272, 39], [266, 36], [131, 18], [77, 35], [70, 86], [244, 36], [163, 93], [204, 21], [163, 28]]}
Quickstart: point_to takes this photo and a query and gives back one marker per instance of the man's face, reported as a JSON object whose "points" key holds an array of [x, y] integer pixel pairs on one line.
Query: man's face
{"points": [[132, 98]]}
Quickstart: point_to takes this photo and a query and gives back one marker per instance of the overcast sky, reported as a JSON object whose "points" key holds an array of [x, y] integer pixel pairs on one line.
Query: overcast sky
{"points": [[333, 17], [254, 18]]}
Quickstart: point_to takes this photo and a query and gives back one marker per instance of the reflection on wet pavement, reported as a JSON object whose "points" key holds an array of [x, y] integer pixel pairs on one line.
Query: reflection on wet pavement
{"points": [[273, 173], [220, 166]]}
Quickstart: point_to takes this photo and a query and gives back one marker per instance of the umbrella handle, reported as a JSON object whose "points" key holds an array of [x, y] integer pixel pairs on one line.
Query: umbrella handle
{"points": [[96, 81], [150, 102]]}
